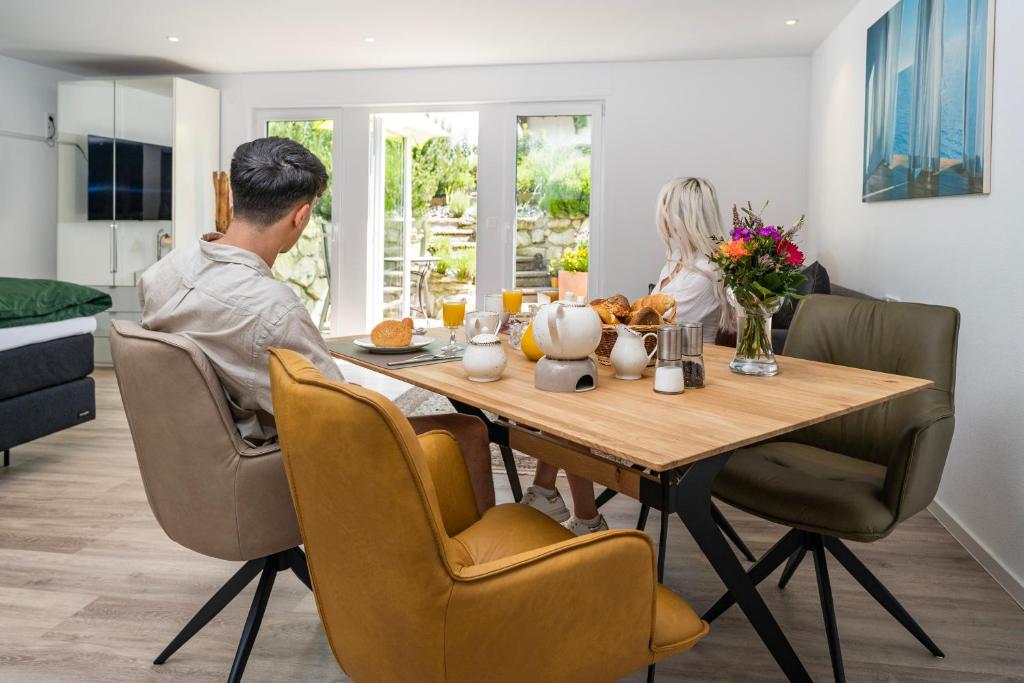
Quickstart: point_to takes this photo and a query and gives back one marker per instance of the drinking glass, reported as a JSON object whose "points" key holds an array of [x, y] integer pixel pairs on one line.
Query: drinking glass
{"points": [[453, 312], [512, 300]]}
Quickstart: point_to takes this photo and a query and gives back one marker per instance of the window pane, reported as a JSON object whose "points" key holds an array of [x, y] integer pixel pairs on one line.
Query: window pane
{"points": [[552, 199]]}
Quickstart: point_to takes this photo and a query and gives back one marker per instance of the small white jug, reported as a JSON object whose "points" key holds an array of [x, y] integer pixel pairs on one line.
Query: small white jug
{"points": [[629, 357]]}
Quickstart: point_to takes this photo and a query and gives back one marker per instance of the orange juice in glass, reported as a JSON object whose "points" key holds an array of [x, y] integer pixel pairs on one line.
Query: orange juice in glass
{"points": [[453, 313], [512, 300]]}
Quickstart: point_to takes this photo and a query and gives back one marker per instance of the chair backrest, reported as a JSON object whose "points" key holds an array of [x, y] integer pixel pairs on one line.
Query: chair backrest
{"points": [[915, 340], [208, 489], [375, 542]]}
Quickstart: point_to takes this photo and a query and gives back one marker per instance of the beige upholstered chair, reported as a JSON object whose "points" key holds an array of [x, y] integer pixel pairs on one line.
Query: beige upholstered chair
{"points": [[208, 489]]}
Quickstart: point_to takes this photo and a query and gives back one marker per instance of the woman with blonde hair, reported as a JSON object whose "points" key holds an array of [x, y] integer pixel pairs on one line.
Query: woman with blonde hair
{"points": [[688, 221]]}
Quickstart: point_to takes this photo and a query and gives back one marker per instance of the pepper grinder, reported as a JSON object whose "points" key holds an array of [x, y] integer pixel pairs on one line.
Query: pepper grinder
{"points": [[668, 372], [693, 355]]}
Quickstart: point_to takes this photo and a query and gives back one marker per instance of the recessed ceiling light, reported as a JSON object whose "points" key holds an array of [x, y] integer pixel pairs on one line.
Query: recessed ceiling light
{"points": [[368, 39], [792, 22], [173, 39]]}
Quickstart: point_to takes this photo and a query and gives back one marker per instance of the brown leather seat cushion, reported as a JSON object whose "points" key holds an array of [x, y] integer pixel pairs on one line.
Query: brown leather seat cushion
{"points": [[808, 488]]}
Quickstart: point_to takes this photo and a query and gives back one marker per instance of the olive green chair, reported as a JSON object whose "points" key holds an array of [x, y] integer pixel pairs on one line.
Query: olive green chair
{"points": [[858, 476]]}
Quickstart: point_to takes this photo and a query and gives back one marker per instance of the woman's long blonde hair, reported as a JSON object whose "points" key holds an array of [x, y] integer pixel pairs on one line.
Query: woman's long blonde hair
{"points": [[689, 220]]}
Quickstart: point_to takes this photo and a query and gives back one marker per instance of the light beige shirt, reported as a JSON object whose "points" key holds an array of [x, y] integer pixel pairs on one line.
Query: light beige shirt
{"points": [[226, 300]]}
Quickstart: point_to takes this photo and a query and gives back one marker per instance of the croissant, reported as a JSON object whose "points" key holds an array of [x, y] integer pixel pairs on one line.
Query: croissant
{"points": [[659, 302], [645, 316]]}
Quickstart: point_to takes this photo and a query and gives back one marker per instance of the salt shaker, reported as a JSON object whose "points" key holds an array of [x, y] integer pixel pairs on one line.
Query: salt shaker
{"points": [[668, 372], [693, 355]]}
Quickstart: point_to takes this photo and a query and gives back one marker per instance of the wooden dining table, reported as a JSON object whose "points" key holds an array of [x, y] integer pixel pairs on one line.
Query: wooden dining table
{"points": [[663, 450]]}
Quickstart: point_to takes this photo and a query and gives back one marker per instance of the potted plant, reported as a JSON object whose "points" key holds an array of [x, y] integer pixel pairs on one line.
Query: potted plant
{"points": [[573, 269], [553, 272]]}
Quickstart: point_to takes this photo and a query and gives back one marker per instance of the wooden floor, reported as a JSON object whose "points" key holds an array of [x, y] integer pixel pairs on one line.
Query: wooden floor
{"points": [[91, 590]]}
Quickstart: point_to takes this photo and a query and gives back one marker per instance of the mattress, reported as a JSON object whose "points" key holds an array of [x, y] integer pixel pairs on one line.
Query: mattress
{"points": [[13, 337], [37, 366], [30, 416]]}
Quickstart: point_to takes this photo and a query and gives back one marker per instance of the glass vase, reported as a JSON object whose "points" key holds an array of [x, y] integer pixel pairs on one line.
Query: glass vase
{"points": [[754, 355]]}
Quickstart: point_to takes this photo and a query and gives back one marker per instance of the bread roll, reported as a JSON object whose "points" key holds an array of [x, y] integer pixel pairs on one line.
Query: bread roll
{"points": [[620, 307], [392, 334], [604, 311], [645, 316]]}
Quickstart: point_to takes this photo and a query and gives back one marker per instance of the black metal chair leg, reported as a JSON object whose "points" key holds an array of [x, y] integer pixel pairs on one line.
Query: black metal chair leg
{"points": [[641, 522], [828, 610], [509, 460], [650, 673], [791, 565], [297, 563], [213, 606], [879, 592], [730, 532], [7, 457], [768, 563], [253, 621]]}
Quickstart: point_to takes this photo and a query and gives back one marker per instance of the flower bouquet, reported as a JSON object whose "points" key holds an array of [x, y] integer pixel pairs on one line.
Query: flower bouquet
{"points": [[761, 268]]}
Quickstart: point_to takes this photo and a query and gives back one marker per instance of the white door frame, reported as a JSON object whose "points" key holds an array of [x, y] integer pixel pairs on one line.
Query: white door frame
{"points": [[509, 123]]}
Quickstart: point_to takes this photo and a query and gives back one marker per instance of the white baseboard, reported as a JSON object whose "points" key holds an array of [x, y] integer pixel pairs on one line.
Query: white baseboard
{"points": [[1009, 581]]}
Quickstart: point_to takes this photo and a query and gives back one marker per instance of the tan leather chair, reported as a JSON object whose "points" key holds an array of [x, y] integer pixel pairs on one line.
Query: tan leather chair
{"points": [[208, 489], [413, 585]]}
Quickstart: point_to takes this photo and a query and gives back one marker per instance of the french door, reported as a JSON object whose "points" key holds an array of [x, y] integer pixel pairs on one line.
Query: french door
{"points": [[438, 199]]}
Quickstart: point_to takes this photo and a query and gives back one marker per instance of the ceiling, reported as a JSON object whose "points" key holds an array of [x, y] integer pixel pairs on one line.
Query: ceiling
{"points": [[128, 37]]}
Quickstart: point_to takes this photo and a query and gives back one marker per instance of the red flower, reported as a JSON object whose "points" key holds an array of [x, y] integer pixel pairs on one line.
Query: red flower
{"points": [[791, 252]]}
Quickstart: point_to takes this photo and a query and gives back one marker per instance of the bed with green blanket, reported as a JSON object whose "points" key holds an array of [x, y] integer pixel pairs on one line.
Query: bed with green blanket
{"points": [[46, 357]]}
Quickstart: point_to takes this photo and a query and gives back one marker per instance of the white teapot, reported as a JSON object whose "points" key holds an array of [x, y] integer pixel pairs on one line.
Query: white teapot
{"points": [[567, 330], [629, 356]]}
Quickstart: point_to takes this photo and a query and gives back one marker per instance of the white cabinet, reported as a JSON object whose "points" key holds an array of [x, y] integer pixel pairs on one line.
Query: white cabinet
{"points": [[134, 166]]}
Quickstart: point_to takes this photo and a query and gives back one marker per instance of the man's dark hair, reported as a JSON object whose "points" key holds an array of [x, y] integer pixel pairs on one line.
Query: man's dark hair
{"points": [[271, 176]]}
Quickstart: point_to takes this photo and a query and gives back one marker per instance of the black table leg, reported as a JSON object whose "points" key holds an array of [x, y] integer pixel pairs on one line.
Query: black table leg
{"points": [[498, 435], [692, 501]]}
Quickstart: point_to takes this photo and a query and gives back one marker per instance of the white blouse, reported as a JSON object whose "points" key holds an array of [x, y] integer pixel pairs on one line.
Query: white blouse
{"points": [[694, 293]]}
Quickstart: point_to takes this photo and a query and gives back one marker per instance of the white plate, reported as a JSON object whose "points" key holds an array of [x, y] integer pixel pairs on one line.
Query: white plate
{"points": [[418, 342]]}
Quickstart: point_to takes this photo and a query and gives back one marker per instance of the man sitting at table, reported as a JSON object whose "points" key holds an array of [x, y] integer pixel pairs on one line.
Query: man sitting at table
{"points": [[221, 294]]}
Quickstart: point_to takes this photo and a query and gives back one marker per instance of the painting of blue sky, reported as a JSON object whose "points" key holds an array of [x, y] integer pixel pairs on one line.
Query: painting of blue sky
{"points": [[928, 94]]}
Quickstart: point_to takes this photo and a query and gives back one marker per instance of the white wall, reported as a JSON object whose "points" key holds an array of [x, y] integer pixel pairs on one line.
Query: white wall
{"points": [[742, 123], [28, 171], [957, 251]]}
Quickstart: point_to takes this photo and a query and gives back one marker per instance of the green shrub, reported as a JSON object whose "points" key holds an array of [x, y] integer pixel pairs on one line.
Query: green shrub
{"points": [[567, 191], [557, 179], [458, 203], [465, 265]]}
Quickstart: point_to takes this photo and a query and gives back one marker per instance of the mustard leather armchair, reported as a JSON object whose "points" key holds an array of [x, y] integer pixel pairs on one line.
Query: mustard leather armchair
{"points": [[412, 584]]}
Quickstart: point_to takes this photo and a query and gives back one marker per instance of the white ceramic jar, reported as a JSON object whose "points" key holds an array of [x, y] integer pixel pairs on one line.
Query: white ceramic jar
{"points": [[484, 359]]}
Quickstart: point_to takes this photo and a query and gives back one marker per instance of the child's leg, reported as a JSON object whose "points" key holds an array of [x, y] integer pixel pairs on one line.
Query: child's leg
{"points": [[546, 475]]}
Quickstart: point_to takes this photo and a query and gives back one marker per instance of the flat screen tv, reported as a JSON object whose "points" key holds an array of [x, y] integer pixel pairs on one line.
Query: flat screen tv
{"points": [[139, 181]]}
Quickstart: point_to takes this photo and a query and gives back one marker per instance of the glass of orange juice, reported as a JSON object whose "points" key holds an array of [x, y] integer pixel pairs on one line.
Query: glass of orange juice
{"points": [[512, 300], [453, 313]]}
